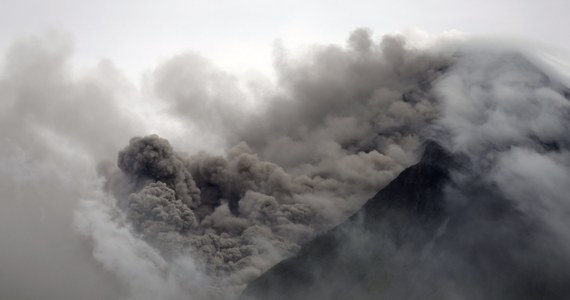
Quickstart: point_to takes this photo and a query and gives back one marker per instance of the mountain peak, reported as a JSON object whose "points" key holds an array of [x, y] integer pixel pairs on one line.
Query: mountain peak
{"points": [[409, 208], [426, 235]]}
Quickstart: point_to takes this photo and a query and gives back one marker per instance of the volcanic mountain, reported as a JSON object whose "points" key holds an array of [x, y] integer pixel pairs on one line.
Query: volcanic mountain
{"points": [[437, 231]]}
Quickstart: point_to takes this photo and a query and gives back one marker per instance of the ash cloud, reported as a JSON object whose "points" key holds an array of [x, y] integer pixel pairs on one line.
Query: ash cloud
{"points": [[338, 125], [153, 158], [338, 102], [485, 217], [342, 124], [200, 94]]}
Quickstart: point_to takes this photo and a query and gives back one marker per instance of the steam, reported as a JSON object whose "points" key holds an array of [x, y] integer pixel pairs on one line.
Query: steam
{"points": [[252, 171], [509, 115], [511, 119]]}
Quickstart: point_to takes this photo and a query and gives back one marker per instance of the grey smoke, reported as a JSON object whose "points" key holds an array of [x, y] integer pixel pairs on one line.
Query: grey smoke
{"points": [[199, 94], [329, 140], [486, 219], [327, 173], [338, 102], [339, 124], [155, 209], [153, 158]]}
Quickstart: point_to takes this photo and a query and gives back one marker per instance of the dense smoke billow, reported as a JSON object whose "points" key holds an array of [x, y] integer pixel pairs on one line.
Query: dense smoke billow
{"points": [[481, 216], [196, 184], [327, 141]]}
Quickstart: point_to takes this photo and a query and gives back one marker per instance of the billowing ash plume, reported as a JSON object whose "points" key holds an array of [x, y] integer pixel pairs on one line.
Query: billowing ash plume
{"points": [[172, 222], [328, 141], [339, 103], [485, 218], [153, 158], [344, 122], [160, 207]]}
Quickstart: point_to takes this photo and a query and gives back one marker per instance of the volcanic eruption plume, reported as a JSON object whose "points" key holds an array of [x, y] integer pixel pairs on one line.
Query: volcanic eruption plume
{"points": [[201, 210], [327, 142]]}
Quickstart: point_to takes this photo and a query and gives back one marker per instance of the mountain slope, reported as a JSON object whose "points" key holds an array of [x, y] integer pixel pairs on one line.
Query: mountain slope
{"points": [[429, 234]]}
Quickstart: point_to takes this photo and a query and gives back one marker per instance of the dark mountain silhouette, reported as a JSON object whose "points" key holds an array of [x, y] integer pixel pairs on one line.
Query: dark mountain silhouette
{"points": [[436, 232]]}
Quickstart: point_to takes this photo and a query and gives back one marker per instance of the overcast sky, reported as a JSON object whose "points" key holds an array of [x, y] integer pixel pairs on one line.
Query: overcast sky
{"points": [[240, 35]]}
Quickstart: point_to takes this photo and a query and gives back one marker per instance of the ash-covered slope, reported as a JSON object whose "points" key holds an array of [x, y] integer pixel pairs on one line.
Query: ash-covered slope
{"points": [[427, 235]]}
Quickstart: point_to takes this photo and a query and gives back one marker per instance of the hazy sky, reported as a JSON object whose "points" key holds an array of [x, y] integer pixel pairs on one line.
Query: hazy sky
{"points": [[239, 35]]}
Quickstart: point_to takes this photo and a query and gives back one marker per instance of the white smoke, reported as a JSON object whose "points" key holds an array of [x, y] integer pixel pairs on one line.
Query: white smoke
{"points": [[509, 112]]}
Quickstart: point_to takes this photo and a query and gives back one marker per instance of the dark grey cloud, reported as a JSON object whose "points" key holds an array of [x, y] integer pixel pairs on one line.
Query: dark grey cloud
{"points": [[153, 158], [343, 122], [484, 217]]}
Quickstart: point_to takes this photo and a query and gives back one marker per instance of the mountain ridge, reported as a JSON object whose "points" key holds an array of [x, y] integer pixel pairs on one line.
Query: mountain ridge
{"points": [[432, 173], [426, 235]]}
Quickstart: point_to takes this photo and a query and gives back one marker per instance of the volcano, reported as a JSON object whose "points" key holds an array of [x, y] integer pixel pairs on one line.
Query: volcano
{"points": [[438, 231]]}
